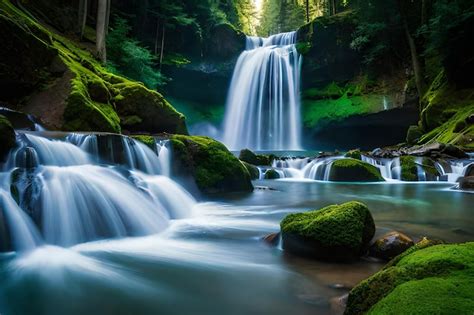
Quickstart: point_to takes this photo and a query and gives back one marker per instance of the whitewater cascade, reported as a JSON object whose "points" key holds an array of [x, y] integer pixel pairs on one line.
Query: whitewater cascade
{"points": [[66, 189], [263, 104]]}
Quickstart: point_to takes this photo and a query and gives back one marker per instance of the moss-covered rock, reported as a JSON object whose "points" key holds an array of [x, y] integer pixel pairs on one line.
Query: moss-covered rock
{"points": [[256, 159], [409, 170], [154, 113], [253, 170], [338, 232], [7, 137], [146, 139], [351, 170], [213, 167], [354, 154], [414, 133], [272, 174], [425, 279]]}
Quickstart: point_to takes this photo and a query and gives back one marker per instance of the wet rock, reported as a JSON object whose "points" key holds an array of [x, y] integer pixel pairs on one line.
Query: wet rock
{"points": [[17, 119], [338, 304], [272, 174], [390, 245], [466, 183], [351, 170], [470, 171], [253, 170], [256, 159], [354, 154], [335, 233], [272, 239]]}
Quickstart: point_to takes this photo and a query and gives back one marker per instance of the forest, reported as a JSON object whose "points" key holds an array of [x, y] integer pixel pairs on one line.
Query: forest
{"points": [[236, 157]]}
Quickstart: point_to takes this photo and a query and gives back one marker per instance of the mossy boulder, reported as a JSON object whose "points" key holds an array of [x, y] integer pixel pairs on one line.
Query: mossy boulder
{"points": [[337, 232], [409, 169], [390, 245], [146, 139], [466, 183], [253, 170], [272, 174], [414, 133], [212, 166], [7, 137], [425, 279], [354, 154], [151, 112], [351, 170], [256, 159]]}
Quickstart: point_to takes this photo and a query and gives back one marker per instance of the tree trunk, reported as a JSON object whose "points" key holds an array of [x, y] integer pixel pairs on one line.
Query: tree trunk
{"points": [[82, 17], [100, 30], [162, 44], [157, 35], [107, 16]]}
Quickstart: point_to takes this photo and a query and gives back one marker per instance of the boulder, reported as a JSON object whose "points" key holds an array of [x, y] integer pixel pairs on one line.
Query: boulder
{"points": [[335, 233], [253, 170], [256, 159], [351, 170], [213, 168], [470, 170], [390, 245], [272, 174], [7, 137], [354, 154], [409, 170], [466, 183], [18, 119], [425, 279], [414, 134], [272, 239]]}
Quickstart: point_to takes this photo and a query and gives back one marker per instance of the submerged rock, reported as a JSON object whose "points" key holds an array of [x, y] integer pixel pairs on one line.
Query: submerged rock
{"points": [[351, 170], [212, 166], [272, 174], [335, 233], [390, 245], [7, 137], [425, 279]]}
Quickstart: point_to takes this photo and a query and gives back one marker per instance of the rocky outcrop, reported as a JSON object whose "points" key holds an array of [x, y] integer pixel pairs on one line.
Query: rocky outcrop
{"points": [[253, 170], [256, 159], [425, 279], [338, 232], [67, 88], [271, 174], [213, 168], [351, 170], [466, 183]]}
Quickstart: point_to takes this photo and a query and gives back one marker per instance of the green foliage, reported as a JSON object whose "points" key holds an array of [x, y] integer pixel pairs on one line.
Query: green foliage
{"points": [[128, 58], [423, 280], [354, 154]]}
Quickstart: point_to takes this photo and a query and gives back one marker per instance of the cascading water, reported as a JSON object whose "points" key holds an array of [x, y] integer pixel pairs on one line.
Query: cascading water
{"points": [[263, 106], [68, 189]]}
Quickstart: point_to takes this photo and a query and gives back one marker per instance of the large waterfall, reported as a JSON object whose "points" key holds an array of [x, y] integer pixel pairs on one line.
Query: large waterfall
{"points": [[66, 189], [263, 106]]}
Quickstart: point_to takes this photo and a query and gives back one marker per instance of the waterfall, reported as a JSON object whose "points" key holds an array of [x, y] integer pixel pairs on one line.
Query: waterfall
{"points": [[263, 105], [75, 188]]}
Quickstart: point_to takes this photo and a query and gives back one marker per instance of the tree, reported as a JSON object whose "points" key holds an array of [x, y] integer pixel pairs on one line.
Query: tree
{"points": [[82, 17], [103, 13]]}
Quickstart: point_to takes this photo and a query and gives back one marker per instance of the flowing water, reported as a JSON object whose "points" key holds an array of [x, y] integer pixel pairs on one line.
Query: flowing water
{"points": [[263, 106], [110, 233]]}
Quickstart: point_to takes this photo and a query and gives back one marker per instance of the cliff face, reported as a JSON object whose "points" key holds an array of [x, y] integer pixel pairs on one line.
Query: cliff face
{"points": [[52, 77]]}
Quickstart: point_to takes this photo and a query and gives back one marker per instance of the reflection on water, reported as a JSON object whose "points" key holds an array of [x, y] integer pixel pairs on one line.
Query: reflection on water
{"points": [[215, 261]]}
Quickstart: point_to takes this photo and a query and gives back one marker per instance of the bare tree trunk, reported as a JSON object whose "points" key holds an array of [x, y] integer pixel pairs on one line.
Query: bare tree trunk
{"points": [[82, 16], [100, 30], [157, 35], [107, 17], [162, 45]]}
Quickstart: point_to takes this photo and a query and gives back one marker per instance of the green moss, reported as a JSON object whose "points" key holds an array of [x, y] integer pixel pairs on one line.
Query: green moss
{"points": [[256, 159], [409, 170], [340, 230], [414, 134], [351, 170], [272, 174], [423, 280], [430, 169], [148, 140], [354, 154], [303, 47], [253, 171], [214, 168], [7, 137]]}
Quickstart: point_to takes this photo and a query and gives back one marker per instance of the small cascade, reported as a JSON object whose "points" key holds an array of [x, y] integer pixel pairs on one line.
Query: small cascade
{"points": [[319, 169], [421, 174], [17, 231], [263, 105], [77, 188], [389, 168]]}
